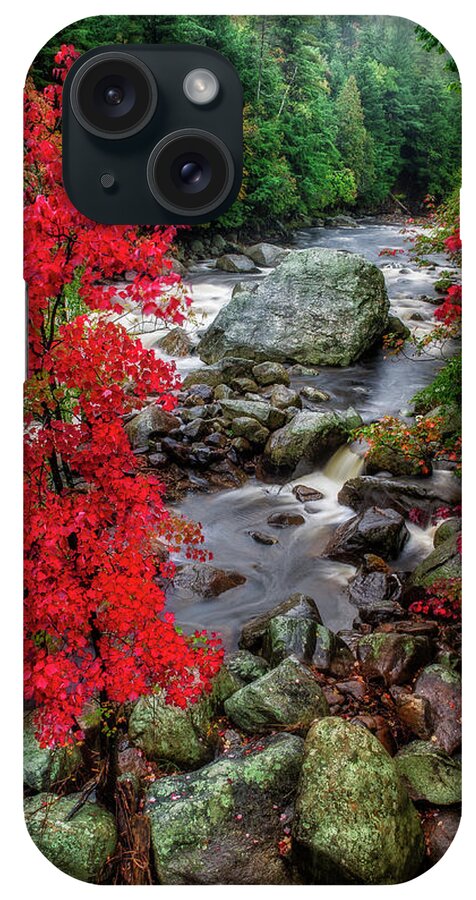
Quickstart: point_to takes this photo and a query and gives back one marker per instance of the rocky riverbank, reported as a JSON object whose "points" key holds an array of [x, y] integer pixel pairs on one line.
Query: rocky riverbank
{"points": [[318, 757], [323, 754]]}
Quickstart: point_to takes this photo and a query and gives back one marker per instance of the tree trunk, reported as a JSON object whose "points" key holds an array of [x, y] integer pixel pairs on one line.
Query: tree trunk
{"points": [[134, 836]]}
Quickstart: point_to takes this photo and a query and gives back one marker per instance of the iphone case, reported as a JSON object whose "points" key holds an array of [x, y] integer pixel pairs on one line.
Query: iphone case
{"points": [[242, 458]]}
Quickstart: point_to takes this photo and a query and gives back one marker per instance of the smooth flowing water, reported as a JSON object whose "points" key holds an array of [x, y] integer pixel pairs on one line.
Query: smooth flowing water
{"points": [[375, 386]]}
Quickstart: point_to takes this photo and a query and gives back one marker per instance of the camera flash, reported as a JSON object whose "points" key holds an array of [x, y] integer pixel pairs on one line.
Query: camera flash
{"points": [[201, 86]]}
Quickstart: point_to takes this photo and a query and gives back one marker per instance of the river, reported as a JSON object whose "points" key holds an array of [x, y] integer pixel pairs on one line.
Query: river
{"points": [[374, 386]]}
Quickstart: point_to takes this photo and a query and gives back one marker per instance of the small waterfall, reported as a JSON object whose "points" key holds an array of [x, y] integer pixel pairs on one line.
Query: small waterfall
{"points": [[344, 464]]}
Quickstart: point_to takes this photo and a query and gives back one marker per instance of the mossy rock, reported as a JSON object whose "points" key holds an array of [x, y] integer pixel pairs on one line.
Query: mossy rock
{"points": [[396, 327], [429, 773], [269, 416], [253, 431], [45, 767], [393, 657], [310, 436], [443, 562], [80, 847], [288, 695], [297, 606], [287, 636], [245, 667], [448, 529], [221, 824], [390, 459], [181, 737], [354, 821], [450, 416], [267, 373], [331, 654]]}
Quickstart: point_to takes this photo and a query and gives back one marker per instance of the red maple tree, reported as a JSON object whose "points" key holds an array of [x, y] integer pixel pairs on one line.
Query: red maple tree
{"points": [[95, 624]]}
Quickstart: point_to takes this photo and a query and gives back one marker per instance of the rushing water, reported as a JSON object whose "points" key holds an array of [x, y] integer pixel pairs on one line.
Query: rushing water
{"points": [[375, 386]]}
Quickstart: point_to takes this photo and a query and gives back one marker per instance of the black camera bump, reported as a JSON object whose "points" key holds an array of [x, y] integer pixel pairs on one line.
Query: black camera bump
{"points": [[152, 134]]}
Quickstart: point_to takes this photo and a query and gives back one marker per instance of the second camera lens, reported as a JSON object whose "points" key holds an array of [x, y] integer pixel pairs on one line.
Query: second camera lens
{"points": [[190, 172]]}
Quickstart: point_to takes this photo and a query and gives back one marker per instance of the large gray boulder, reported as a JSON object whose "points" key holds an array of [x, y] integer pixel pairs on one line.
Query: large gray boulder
{"points": [[310, 436], [324, 307], [354, 822], [223, 824]]}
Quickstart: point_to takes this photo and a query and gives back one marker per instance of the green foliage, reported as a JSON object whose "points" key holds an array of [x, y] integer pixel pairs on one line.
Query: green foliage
{"points": [[445, 390], [445, 281], [339, 110], [430, 42], [415, 443]]}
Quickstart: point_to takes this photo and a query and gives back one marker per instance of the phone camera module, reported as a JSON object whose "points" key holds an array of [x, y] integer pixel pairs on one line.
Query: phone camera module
{"points": [[113, 95], [190, 172]]}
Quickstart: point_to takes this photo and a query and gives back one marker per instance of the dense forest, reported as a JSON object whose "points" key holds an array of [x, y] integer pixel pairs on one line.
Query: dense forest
{"points": [[339, 113]]}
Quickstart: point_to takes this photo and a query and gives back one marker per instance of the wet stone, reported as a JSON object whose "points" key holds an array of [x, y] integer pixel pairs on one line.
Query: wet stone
{"points": [[246, 666], [440, 830], [306, 494], [331, 654], [287, 636], [79, 847], [393, 657], [376, 597], [157, 460], [298, 606], [206, 580], [380, 531], [285, 520], [314, 395], [261, 538], [222, 824], [441, 687], [414, 713]]}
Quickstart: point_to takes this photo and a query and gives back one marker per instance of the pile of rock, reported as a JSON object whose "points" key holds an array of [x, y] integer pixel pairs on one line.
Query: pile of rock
{"points": [[230, 413]]}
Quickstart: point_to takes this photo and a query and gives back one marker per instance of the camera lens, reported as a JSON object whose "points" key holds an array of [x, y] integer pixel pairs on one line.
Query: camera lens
{"points": [[113, 95], [190, 172]]}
